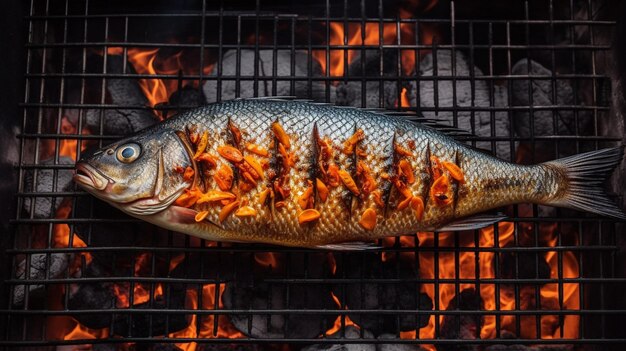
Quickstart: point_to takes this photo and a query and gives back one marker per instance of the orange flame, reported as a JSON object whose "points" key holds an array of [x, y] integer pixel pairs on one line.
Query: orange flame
{"points": [[368, 37], [207, 322], [149, 62], [266, 259], [466, 265], [337, 326]]}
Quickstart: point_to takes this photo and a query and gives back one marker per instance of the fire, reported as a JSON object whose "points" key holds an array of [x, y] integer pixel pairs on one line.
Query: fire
{"points": [[207, 323], [149, 62], [466, 265], [266, 259], [355, 34], [341, 321], [368, 34]]}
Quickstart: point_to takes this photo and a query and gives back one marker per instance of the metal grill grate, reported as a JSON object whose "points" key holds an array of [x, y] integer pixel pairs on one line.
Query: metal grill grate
{"points": [[530, 80]]}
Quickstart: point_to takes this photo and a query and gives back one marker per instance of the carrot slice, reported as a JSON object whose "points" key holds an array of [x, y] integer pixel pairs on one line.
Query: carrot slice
{"points": [[439, 191], [224, 177], [281, 135], [204, 140], [303, 200], [404, 203], [418, 207], [322, 189], [256, 149], [230, 153], [378, 198], [200, 216], [308, 216], [227, 210], [368, 219], [245, 211], [216, 195], [255, 165], [347, 180], [188, 175], [406, 169], [263, 195], [455, 171]]}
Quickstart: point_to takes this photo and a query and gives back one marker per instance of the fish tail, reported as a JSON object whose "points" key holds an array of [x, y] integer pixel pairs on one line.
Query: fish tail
{"points": [[582, 178]]}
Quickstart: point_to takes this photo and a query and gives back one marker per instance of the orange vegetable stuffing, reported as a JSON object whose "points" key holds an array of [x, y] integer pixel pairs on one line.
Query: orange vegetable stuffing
{"points": [[245, 211], [309, 215], [368, 219], [405, 169], [230, 153], [189, 173], [455, 171], [281, 135], [216, 195], [347, 180], [227, 210], [200, 216], [322, 190], [256, 149], [417, 204]]}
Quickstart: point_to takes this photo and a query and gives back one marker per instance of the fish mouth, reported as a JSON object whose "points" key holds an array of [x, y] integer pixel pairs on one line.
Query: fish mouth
{"points": [[89, 177]]}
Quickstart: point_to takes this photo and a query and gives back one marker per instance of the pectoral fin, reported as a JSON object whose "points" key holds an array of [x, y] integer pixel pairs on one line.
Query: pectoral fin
{"points": [[472, 223]]}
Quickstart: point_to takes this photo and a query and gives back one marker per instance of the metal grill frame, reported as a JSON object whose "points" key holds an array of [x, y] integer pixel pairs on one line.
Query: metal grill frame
{"points": [[603, 278]]}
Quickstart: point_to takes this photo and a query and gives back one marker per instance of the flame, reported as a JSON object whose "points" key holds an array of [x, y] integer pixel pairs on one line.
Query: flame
{"points": [[550, 325], [149, 62], [338, 325], [266, 259], [207, 322], [369, 34], [81, 332]]}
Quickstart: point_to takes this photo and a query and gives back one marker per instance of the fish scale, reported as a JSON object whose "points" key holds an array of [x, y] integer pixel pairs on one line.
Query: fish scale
{"points": [[470, 182]]}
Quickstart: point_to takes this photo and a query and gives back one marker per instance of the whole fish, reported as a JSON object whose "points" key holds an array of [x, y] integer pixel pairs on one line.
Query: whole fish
{"points": [[303, 174]]}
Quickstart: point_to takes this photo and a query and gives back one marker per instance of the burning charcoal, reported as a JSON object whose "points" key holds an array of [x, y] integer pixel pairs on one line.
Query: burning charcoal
{"points": [[542, 95], [525, 264], [249, 290], [92, 296], [123, 92], [184, 99], [45, 207], [149, 324], [382, 296], [264, 64], [517, 347], [42, 266], [395, 347], [228, 347], [509, 348], [104, 347], [163, 347], [351, 332], [470, 94], [462, 326], [350, 93]]}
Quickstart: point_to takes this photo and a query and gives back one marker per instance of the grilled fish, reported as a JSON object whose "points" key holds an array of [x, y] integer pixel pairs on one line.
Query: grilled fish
{"points": [[303, 174]]}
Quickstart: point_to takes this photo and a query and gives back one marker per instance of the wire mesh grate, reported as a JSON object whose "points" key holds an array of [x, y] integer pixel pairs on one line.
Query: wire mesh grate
{"points": [[529, 80]]}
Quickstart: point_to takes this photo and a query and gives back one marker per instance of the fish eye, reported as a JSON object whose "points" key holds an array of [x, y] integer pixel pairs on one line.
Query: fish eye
{"points": [[128, 153]]}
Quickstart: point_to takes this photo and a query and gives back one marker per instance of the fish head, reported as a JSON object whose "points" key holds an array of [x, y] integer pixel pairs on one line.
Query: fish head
{"points": [[141, 174]]}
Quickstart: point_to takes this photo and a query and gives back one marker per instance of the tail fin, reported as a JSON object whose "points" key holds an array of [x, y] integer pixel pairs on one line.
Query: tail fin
{"points": [[586, 174]]}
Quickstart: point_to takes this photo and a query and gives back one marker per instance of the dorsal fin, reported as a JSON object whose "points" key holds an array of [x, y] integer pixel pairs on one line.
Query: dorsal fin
{"points": [[412, 116]]}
